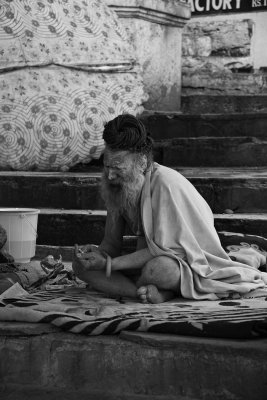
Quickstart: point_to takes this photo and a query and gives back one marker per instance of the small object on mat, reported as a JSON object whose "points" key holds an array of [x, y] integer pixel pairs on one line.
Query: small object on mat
{"points": [[57, 268], [48, 263]]}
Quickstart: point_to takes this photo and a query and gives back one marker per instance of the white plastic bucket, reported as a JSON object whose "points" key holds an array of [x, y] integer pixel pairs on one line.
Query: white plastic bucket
{"points": [[21, 227]]}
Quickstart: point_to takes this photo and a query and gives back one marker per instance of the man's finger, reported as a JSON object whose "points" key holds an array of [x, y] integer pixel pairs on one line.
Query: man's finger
{"points": [[76, 250]]}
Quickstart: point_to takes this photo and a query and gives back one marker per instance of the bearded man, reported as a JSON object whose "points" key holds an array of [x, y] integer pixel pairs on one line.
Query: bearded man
{"points": [[178, 250]]}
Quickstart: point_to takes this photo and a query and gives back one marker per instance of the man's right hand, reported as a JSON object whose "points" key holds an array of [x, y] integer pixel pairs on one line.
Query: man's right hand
{"points": [[88, 248], [86, 261]]}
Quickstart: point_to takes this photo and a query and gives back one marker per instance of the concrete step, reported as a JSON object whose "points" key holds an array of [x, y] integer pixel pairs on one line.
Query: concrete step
{"points": [[204, 151], [239, 189], [224, 104], [49, 364], [58, 227], [66, 227], [42, 250], [212, 152], [164, 125]]}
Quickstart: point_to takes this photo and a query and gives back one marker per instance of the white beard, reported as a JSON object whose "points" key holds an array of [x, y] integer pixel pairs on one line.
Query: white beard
{"points": [[124, 197]]}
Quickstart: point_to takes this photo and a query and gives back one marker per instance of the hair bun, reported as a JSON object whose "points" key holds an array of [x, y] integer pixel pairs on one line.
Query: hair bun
{"points": [[126, 132]]}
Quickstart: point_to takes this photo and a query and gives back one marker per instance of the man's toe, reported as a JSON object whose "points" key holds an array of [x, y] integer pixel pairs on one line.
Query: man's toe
{"points": [[142, 290], [143, 298]]}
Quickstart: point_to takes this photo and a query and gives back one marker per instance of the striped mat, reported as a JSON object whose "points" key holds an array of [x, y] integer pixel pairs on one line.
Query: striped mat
{"points": [[79, 310]]}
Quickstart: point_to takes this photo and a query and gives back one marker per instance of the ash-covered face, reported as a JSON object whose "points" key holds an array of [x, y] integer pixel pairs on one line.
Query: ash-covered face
{"points": [[123, 179], [118, 167]]}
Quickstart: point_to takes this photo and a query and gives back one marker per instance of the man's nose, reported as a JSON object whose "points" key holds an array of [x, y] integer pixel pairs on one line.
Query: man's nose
{"points": [[111, 174]]}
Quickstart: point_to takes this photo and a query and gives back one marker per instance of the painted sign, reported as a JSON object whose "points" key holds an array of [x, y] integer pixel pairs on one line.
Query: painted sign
{"points": [[223, 6]]}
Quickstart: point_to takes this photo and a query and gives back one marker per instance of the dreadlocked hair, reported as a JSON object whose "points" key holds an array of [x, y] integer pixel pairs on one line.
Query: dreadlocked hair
{"points": [[126, 132]]}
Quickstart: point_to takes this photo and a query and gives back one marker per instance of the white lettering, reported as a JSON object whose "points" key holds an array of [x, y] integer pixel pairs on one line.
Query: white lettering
{"points": [[256, 3], [226, 4], [192, 5], [198, 8], [217, 6]]}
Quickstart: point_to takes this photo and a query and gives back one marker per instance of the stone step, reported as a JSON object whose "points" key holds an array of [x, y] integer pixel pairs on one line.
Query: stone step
{"points": [[172, 125], [202, 104], [238, 189], [42, 362], [66, 227], [42, 250], [212, 152], [204, 151]]}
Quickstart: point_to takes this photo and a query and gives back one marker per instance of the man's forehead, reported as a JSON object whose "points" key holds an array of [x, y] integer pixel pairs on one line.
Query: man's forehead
{"points": [[116, 157]]}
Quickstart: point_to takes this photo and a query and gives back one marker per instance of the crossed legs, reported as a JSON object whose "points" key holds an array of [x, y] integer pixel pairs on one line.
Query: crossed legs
{"points": [[159, 281]]}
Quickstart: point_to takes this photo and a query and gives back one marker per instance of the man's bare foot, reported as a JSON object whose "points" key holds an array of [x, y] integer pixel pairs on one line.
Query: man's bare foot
{"points": [[151, 294]]}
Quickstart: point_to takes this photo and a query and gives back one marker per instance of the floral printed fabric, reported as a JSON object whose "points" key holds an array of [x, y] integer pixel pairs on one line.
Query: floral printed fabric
{"points": [[52, 118], [235, 243], [66, 32]]}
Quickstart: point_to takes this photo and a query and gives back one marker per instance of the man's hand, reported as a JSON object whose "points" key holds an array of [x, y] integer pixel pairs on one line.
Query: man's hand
{"points": [[83, 262], [87, 248]]}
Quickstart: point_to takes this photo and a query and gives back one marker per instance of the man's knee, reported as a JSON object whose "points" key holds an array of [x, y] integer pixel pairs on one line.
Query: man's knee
{"points": [[162, 271]]}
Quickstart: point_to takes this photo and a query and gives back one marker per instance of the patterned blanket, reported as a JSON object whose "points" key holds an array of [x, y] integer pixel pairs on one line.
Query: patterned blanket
{"points": [[56, 297], [79, 310]]}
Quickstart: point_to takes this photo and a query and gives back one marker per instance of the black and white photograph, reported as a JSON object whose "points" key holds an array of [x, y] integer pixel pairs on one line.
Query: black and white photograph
{"points": [[133, 199]]}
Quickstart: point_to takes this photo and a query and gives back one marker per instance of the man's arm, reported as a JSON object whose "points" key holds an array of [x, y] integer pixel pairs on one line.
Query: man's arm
{"points": [[134, 260], [113, 238], [112, 245]]}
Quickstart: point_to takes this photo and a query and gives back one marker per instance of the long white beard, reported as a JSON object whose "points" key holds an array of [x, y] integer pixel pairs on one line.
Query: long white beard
{"points": [[122, 198]]}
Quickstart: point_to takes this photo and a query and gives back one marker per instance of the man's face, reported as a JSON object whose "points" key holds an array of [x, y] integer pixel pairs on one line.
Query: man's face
{"points": [[118, 167]]}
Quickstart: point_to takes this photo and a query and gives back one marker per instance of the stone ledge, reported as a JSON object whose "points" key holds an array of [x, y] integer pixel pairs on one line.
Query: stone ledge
{"points": [[65, 229], [209, 151], [16, 392], [108, 368], [174, 341], [240, 189], [26, 329], [170, 13], [248, 106]]}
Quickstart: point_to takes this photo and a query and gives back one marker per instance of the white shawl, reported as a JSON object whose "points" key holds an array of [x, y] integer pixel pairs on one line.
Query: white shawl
{"points": [[178, 223]]}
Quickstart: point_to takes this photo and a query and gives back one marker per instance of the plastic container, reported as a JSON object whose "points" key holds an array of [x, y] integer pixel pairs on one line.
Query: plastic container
{"points": [[21, 227]]}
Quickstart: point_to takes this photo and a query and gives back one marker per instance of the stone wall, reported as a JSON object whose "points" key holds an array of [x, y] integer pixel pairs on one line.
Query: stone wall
{"points": [[155, 31], [219, 57]]}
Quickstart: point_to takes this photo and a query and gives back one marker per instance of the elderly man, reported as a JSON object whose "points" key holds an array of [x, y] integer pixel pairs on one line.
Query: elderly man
{"points": [[178, 251]]}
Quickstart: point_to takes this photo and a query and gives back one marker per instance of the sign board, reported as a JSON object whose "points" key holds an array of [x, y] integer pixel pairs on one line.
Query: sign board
{"points": [[199, 7]]}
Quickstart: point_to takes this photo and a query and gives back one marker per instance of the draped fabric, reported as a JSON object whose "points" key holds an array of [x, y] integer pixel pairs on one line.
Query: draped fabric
{"points": [[66, 68], [179, 223]]}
